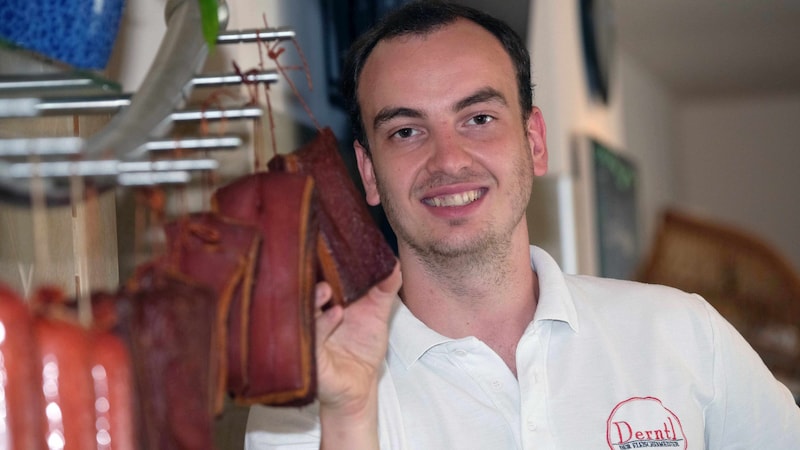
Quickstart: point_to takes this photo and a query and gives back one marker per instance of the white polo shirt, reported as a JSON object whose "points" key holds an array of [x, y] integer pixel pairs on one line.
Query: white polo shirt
{"points": [[605, 364]]}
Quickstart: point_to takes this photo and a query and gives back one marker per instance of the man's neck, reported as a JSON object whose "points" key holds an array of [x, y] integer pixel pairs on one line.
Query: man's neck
{"points": [[494, 302]]}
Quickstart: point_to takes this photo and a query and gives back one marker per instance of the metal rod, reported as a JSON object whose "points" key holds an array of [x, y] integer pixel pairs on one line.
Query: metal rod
{"points": [[265, 76], [168, 165], [153, 178], [67, 146], [18, 107], [48, 81], [60, 169], [63, 169], [253, 35], [40, 146], [76, 105], [228, 142], [217, 114], [33, 107]]}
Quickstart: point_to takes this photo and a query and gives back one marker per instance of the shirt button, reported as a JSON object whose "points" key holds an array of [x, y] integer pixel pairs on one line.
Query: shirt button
{"points": [[460, 352], [497, 385], [531, 424]]}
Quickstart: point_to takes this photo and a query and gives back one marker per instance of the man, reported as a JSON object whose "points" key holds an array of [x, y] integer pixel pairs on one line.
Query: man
{"points": [[491, 345]]}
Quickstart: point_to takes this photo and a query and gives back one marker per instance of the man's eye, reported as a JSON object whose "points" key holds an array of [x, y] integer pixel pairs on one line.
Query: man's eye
{"points": [[404, 133], [481, 119]]}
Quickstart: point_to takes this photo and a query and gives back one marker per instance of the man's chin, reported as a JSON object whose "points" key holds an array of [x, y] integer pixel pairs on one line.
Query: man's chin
{"points": [[454, 247]]}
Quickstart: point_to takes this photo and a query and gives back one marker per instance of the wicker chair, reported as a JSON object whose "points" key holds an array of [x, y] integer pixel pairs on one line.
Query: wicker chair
{"points": [[744, 278]]}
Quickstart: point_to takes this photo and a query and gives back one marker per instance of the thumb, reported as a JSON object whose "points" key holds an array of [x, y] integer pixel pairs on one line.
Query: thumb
{"points": [[390, 285], [380, 298]]}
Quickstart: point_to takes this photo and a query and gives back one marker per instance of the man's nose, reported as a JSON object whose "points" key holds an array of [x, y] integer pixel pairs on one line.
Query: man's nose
{"points": [[449, 153]]}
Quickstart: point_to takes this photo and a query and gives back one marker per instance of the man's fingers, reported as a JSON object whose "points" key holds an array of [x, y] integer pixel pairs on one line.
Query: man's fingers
{"points": [[377, 303], [327, 322], [329, 319], [391, 284], [322, 295], [380, 298]]}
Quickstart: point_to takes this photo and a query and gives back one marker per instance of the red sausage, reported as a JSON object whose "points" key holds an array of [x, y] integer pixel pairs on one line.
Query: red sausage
{"points": [[67, 386], [20, 408], [113, 384]]}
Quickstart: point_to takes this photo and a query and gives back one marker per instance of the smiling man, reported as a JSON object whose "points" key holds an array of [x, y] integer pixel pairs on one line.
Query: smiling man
{"points": [[451, 155], [488, 344]]}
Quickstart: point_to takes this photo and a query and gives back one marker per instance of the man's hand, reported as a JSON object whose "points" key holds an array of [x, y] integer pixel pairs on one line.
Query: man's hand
{"points": [[351, 347]]}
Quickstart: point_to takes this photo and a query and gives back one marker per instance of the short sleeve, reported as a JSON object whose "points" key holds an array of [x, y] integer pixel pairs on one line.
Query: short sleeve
{"points": [[751, 409]]}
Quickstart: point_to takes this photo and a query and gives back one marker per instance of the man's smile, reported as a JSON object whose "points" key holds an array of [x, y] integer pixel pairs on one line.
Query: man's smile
{"points": [[458, 199]]}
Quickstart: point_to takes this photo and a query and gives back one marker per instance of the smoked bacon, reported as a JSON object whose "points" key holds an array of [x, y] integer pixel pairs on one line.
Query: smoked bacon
{"points": [[352, 252], [222, 254], [281, 367]]}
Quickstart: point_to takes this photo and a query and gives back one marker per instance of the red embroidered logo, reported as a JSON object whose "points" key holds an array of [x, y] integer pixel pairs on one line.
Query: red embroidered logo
{"points": [[643, 422]]}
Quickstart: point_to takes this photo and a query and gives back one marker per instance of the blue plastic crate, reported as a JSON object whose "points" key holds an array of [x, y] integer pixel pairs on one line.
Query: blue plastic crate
{"points": [[80, 33]]}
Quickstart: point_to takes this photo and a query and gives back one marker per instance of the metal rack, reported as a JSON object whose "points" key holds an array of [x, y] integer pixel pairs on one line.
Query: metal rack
{"points": [[131, 149]]}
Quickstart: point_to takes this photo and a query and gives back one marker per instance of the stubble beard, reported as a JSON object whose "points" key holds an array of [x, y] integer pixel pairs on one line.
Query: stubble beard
{"points": [[482, 253]]}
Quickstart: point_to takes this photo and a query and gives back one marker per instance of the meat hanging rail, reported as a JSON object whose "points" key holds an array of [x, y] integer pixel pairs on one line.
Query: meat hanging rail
{"points": [[120, 153], [134, 148]]}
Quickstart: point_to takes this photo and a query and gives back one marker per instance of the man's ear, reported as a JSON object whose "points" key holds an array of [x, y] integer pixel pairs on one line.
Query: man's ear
{"points": [[367, 172], [537, 138]]}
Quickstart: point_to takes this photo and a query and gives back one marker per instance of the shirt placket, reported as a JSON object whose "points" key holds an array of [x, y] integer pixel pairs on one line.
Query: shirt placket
{"points": [[492, 376], [531, 372]]}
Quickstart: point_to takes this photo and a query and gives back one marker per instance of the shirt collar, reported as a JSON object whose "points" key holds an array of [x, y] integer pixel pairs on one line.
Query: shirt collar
{"points": [[409, 338], [555, 300]]}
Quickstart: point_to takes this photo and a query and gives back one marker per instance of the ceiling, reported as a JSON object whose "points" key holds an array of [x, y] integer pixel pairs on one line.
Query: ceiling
{"points": [[700, 48], [708, 48]]}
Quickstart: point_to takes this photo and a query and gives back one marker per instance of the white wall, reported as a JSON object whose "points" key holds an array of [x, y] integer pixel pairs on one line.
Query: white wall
{"points": [[649, 136], [738, 160], [141, 29], [733, 160], [637, 122]]}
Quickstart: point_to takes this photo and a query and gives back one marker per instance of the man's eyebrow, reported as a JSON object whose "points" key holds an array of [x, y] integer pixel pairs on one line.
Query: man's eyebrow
{"points": [[486, 94], [387, 114]]}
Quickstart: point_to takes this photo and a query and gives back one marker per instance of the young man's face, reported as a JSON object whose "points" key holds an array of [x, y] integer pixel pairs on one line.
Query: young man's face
{"points": [[452, 161]]}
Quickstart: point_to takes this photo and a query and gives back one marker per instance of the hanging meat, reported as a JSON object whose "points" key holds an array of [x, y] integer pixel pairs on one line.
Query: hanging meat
{"points": [[279, 324], [169, 322], [353, 253], [21, 413], [228, 308], [222, 253], [85, 378], [112, 373], [64, 349]]}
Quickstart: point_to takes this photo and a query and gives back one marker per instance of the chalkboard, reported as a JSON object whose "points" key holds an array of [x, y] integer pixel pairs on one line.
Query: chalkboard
{"points": [[615, 179]]}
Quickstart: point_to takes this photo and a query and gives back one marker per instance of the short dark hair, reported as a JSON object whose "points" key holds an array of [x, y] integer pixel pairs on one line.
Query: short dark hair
{"points": [[422, 17]]}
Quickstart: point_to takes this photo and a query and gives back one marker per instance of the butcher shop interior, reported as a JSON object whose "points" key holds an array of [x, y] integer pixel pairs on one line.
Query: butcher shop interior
{"points": [[198, 151]]}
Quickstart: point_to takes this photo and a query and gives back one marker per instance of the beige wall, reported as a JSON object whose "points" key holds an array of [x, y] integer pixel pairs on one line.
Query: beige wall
{"points": [[738, 161], [72, 248], [638, 121]]}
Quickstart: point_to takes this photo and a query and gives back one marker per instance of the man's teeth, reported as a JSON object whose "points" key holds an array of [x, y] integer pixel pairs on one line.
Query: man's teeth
{"points": [[461, 199]]}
